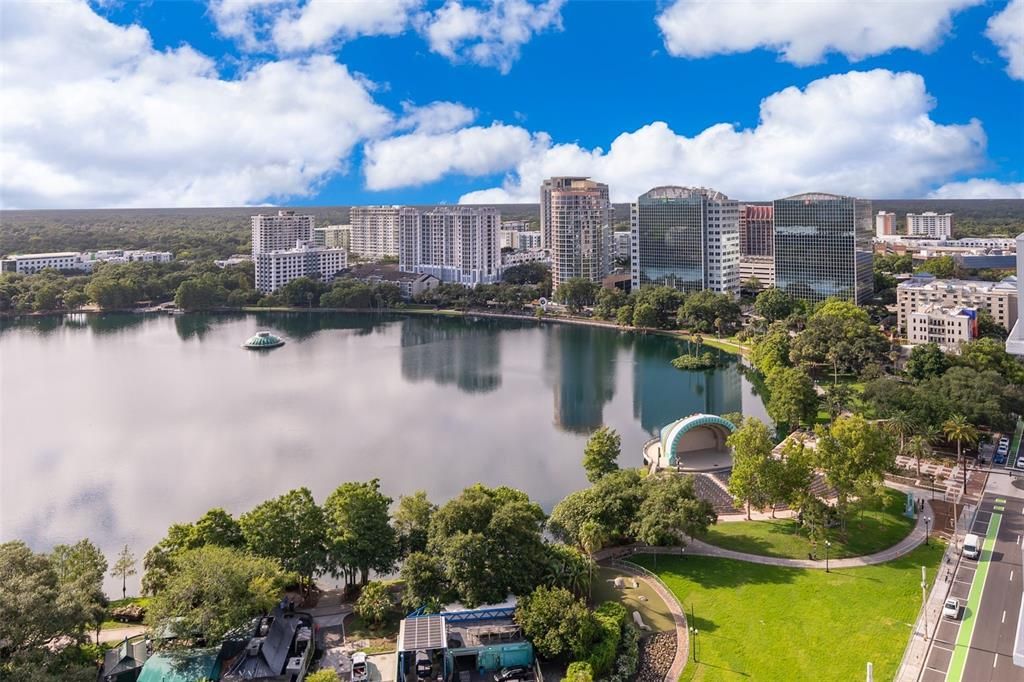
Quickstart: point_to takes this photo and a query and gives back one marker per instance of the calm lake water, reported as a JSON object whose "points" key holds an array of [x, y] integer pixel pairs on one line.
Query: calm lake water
{"points": [[115, 426]]}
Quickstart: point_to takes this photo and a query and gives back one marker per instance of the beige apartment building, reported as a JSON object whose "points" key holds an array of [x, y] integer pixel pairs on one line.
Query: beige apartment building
{"points": [[998, 298], [374, 231], [946, 327]]}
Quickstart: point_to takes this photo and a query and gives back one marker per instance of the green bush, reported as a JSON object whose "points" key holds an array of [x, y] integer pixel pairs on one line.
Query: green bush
{"points": [[579, 671], [627, 660], [609, 617], [325, 675]]}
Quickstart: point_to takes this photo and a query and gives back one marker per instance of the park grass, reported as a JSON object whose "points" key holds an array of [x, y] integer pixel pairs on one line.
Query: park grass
{"points": [[761, 622], [644, 599], [879, 527], [379, 638]]}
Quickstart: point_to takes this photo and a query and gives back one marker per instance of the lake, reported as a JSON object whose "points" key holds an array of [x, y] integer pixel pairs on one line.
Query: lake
{"points": [[115, 426]]}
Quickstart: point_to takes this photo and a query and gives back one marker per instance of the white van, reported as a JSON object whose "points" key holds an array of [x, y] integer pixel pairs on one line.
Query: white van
{"points": [[972, 546]]}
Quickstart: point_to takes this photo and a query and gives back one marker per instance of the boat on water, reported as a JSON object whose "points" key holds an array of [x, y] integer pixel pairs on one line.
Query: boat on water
{"points": [[263, 341]]}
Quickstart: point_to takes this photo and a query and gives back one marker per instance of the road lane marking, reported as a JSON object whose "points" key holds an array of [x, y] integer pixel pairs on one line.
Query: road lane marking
{"points": [[1011, 576], [995, 660], [1004, 617], [958, 661]]}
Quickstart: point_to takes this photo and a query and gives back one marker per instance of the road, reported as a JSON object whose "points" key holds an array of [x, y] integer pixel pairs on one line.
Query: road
{"points": [[979, 647]]}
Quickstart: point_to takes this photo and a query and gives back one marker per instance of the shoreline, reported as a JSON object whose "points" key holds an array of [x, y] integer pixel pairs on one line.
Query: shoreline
{"points": [[720, 344]]}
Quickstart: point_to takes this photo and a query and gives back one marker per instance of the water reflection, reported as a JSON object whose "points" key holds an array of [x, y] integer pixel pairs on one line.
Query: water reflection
{"points": [[447, 351], [579, 365]]}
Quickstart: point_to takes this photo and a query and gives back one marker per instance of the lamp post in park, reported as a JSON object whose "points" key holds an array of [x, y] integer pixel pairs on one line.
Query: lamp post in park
{"points": [[924, 600], [927, 529], [827, 545]]}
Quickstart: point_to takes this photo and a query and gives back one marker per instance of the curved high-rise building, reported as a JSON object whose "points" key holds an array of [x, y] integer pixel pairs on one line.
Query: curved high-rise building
{"points": [[823, 247], [687, 238], [576, 222]]}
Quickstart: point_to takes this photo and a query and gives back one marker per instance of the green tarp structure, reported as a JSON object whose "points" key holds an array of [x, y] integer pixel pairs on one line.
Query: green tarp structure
{"points": [[185, 666]]}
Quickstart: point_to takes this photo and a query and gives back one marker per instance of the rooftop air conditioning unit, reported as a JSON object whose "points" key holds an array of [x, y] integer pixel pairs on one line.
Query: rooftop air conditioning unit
{"points": [[253, 648], [294, 664]]}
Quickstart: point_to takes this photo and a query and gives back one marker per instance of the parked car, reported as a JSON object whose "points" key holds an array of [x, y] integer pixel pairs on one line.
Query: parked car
{"points": [[360, 673], [1020, 462], [972, 546], [951, 609], [999, 459], [515, 672]]}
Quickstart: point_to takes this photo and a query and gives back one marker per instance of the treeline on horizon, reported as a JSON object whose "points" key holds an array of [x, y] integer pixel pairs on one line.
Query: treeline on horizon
{"points": [[207, 233]]}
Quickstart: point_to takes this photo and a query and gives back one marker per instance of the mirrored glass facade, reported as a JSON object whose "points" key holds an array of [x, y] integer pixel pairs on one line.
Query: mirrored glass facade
{"points": [[823, 247]]}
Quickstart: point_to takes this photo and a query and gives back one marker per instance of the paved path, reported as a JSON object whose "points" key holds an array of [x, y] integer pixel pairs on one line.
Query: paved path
{"points": [[678, 615], [118, 634]]}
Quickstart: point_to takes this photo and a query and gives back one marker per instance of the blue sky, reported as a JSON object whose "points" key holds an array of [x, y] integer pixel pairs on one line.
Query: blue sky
{"points": [[181, 107]]}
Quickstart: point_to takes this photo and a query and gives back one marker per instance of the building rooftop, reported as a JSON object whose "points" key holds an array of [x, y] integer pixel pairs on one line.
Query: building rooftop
{"points": [[55, 254], [384, 272], [676, 192], [420, 633], [930, 282]]}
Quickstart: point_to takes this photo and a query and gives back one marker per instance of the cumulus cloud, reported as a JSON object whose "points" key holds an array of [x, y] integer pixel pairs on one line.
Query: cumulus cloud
{"points": [[492, 36], [420, 158], [1006, 30], [979, 188], [864, 133], [804, 32], [95, 116], [436, 117], [488, 33]]}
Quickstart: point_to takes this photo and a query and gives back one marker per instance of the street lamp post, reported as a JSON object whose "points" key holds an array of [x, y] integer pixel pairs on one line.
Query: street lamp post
{"points": [[693, 644], [924, 600], [927, 529], [827, 545]]}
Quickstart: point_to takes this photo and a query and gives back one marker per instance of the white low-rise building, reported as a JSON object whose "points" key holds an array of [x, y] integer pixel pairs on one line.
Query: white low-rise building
{"points": [[31, 263], [234, 259], [998, 298], [945, 327], [276, 268], [520, 257]]}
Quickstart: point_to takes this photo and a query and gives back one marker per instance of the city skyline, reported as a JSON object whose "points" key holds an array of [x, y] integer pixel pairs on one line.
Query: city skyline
{"points": [[416, 103]]}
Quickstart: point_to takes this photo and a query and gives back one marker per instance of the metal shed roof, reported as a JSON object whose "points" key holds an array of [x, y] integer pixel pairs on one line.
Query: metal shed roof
{"points": [[422, 633]]}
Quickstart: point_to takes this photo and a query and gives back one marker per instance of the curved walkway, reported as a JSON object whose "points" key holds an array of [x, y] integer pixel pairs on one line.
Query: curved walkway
{"points": [[678, 615], [701, 548]]}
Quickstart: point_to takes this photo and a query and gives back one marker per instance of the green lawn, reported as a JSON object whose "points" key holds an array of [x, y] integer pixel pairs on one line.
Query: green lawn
{"points": [[759, 622], [880, 527]]}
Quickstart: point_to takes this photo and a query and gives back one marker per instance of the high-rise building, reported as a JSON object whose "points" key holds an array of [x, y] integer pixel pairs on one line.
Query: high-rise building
{"points": [[1015, 342], [756, 230], [687, 238], [333, 236], [374, 231], [579, 220], [885, 224], [823, 247], [545, 205], [453, 243], [281, 231], [930, 224]]}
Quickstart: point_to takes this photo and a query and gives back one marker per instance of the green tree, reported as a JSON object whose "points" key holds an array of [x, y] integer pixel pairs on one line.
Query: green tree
{"points": [[359, 535], [605, 511], [958, 429], [609, 300], [425, 582], [837, 398], [601, 455], [80, 569], [200, 293], [665, 301], [412, 521], [854, 454], [303, 292], [123, 568], [568, 567], [291, 529], [576, 293], [751, 445], [788, 479], [771, 351], [985, 398], [927, 361], [624, 316], [645, 316], [579, 671], [214, 590], [919, 447], [323, 675], [942, 267], [706, 311], [840, 336], [792, 398], [990, 354], [216, 527], [556, 622], [374, 602], [901, 424], [988, 328], [773, 304], [670, 512]]}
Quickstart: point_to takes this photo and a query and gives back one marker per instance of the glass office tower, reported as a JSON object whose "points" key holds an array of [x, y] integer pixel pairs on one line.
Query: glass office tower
{"points": [[823, 247], [686, 238]]}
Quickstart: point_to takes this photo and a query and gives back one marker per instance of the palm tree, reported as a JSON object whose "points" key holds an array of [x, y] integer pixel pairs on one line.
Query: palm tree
{"points": [[919, 447], [902, 425], [962, 431]]}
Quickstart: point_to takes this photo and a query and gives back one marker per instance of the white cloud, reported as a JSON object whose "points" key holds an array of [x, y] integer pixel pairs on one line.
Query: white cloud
{"points": [[245, 20], [491, 36], [420, 158], [320, 22], [863, 133], [1006, 30], [436, 117], [979, 188], [95, 116], [804, 32]]}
